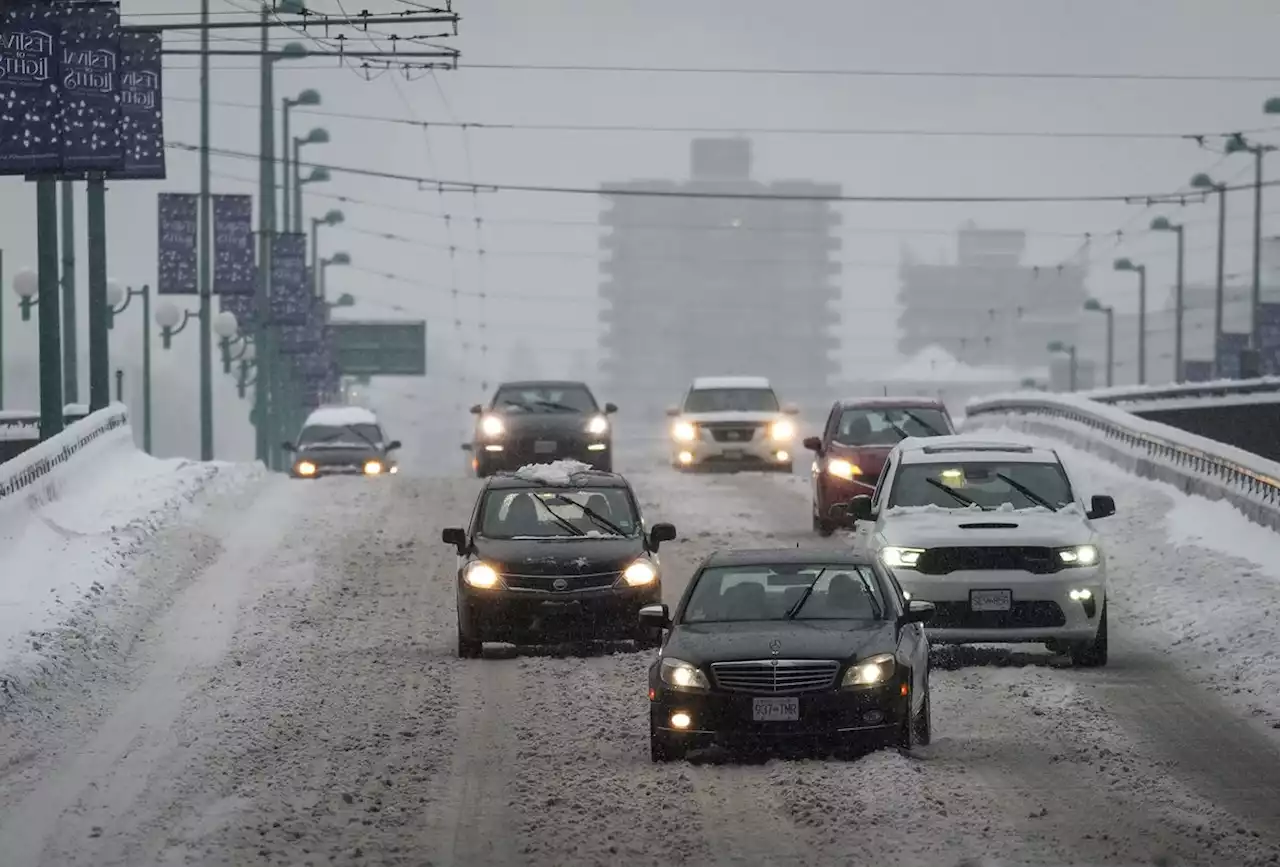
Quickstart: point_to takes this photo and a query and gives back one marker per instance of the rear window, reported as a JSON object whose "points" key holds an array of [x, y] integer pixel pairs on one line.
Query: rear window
{"points": [[731, 400], [349, 434], [884, 426]]}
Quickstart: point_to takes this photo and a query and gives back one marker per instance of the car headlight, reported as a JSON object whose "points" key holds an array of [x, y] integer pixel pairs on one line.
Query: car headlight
{"points": [[640, 573], [684, 432], [481, 575], [873, 671], [782, 430], [1079, 555], [598, 425], [492, 426], [679, 674], [842, 469], [900, 558], [372, 468], [306, 468]]}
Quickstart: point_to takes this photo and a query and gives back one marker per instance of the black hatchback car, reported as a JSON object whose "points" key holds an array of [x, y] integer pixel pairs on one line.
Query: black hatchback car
{"points": [[541, 421], [816, 648], [342, 440], [556, 552]]}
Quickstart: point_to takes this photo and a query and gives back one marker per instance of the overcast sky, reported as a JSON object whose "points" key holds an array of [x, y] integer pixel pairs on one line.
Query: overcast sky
{"points": [[546, 244]]}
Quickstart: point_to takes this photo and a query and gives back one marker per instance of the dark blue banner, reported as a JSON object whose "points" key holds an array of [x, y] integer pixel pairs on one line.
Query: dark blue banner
{"points": [[30, 113], [290, 296], [142, 112], [90, 52], [244, 308], [178, 260], [234, 270]]}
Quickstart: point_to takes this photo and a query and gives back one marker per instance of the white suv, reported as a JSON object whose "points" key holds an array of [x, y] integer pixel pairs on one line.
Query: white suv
{"points": [[732, 422], [997, 538]]}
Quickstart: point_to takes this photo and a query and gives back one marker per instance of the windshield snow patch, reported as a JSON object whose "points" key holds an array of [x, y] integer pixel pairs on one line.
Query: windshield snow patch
{"points": [[933, 509], [556, 473]]}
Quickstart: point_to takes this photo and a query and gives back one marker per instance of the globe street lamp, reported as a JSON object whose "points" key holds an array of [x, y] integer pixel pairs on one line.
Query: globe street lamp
{"points": [[1141, 271], [26, 284], [172, 321], [1097, 306], [118, 299], [1162, 224], [1203, 182], [1070, 350], [319, 135], [308, 97], [335, 259], [332, 218]]}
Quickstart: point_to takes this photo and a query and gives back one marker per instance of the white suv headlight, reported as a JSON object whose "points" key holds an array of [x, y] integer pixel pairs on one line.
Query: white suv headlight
{"points": [[1079, 555], [872, 671], [684, 432], [900, 558], [682, 675], [782, 430]]}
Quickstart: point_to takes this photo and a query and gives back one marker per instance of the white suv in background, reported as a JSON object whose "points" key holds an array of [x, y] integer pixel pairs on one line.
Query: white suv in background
{"points": [[997, 538], [733, 423]]}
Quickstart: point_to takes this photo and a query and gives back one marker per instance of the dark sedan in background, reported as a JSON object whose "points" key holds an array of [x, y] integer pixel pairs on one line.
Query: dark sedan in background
{"points": [[810, 648], [341, 440], [539, 422]]}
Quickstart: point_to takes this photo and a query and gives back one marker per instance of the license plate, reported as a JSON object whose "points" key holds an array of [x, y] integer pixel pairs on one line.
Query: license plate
{"points": [[734, 453], [544, 447], [990, 600], [775, 709]]}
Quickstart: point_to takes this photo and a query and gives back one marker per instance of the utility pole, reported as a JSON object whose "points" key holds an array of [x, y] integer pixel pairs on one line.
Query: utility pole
{"points": [[50, 326], [266, 218], [99, 312], [206, 249], [70, 363]]}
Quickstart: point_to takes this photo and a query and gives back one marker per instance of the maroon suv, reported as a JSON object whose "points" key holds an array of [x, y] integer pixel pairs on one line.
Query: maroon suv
{"points": [[855, 442]]}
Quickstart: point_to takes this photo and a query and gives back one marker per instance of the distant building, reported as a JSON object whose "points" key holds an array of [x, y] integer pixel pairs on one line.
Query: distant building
{"points": [[987, 307], [705, 286]]}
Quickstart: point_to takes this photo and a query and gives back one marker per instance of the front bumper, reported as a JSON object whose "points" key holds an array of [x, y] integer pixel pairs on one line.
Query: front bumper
{"points": [[527, 617], [1042, 608], [497, 456], [759, 452], [341, 468], [725, 719]]}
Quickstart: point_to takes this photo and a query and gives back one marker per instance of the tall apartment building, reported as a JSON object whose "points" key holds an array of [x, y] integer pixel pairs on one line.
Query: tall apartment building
{"points": [[697, 285]]}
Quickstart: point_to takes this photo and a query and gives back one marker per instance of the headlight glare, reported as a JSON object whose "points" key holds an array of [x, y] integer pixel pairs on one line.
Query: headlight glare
{"points": [[598, 425], [679, 674], [372, 468], [492, 426], [842, 469], [1079, 555], [782, 430], [873, 671], [306, 468], [481, 575], [640, 573], [684, 432], [900, 558]]}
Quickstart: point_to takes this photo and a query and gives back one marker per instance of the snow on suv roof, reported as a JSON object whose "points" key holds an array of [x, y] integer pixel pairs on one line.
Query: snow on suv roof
{"points": [[730, 382], [923, 450], [340, 416]]}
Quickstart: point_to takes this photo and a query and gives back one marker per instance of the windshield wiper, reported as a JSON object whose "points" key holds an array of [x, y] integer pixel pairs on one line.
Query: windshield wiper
{"points": [[924, 424], [561, 407], [804, 597], [563, 522], [595, 516], [871, 597], [959, 497], [902, 434], [357, 432], [1027, 492]]}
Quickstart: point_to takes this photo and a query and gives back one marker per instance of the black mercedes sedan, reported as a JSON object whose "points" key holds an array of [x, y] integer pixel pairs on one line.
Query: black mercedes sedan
{"points": [[789, 646], [342, 440], [541, 421], [556, 552]]}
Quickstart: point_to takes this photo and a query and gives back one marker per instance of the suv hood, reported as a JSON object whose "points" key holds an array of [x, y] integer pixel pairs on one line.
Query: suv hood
{"points": [[732, 416], [704, 643], [929, 527], [568, 556]]}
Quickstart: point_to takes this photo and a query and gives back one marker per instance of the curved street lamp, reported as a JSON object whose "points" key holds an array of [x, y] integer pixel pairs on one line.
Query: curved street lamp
{"points": [[172, 320], [333, 218], [1126, 264], [318, 135], [1162, 224], [308, 97], [1096, 306], [339, 258], [118, 299], [1202, 181], [26, 284]]}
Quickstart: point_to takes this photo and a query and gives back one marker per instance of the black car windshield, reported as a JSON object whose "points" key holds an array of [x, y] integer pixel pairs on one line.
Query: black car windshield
{"points": [[884, 426], [559, 513], [775, 592], [988, 484], [346, 434], [544, 398], [731, 400]]}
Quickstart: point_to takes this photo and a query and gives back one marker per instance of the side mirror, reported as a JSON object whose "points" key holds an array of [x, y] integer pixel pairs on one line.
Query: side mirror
{"points": [[661, 533], [655, 617], [813, 444], [859, 508], [466, 447], [791, 409], [1102, 507], [290, 447], [394, 444], [477, 409], [455, 536], [610, 408], [673, 411], [918, 611]]}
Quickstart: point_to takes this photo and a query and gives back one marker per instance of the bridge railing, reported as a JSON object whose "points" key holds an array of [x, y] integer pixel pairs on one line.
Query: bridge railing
{"points": [[31, 466], [1185, 391], [1194, 464]]}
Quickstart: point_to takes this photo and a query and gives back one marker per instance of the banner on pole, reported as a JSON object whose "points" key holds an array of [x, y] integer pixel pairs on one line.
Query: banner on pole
{"points": [[243, 307], [30, 113], [178, 260], [233, 260], [142, 109], [90, 100], [290, 298]]}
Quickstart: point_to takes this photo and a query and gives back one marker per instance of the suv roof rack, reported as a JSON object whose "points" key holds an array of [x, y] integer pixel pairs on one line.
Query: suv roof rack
{"points": [[978, 447]]}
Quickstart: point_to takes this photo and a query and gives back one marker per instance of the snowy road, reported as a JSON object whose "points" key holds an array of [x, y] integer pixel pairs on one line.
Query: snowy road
{"points": [[298, 701]]}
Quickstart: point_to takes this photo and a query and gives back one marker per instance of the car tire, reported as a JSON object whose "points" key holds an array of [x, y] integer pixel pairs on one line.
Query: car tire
{"points": [[923, 723], [1093, 654], [663, 748], [823, 527], [469, 648]]}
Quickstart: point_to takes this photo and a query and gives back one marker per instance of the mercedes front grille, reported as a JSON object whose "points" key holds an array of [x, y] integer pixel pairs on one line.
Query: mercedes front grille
{"points": [[776, 676]]}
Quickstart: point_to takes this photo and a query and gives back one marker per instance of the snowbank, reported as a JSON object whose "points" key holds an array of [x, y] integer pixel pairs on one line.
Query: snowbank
{"points": [[341, 416], [73, 511]]}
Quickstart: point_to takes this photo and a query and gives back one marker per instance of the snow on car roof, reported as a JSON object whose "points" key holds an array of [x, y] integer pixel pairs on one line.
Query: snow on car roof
{"points": [[961, 447], [340, 416], [555, 473], [730, 382]]}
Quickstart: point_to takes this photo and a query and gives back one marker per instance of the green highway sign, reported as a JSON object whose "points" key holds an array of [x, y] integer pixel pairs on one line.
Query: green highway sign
{"points": [[395, 347]]}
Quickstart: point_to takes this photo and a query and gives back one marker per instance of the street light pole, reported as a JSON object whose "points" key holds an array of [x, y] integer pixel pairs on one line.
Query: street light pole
{"points": [[1141, 270], [206, 248], [70, 363], [1096, 306], [1203, 182], [50, 325], [286, 198], [99, 347], [1162, 224], [1, 329]]}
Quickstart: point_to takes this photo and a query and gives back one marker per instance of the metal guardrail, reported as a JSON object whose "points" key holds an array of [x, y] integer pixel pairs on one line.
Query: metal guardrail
{"points": [[28, 467], [1221, 465], [1185, 391]]}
